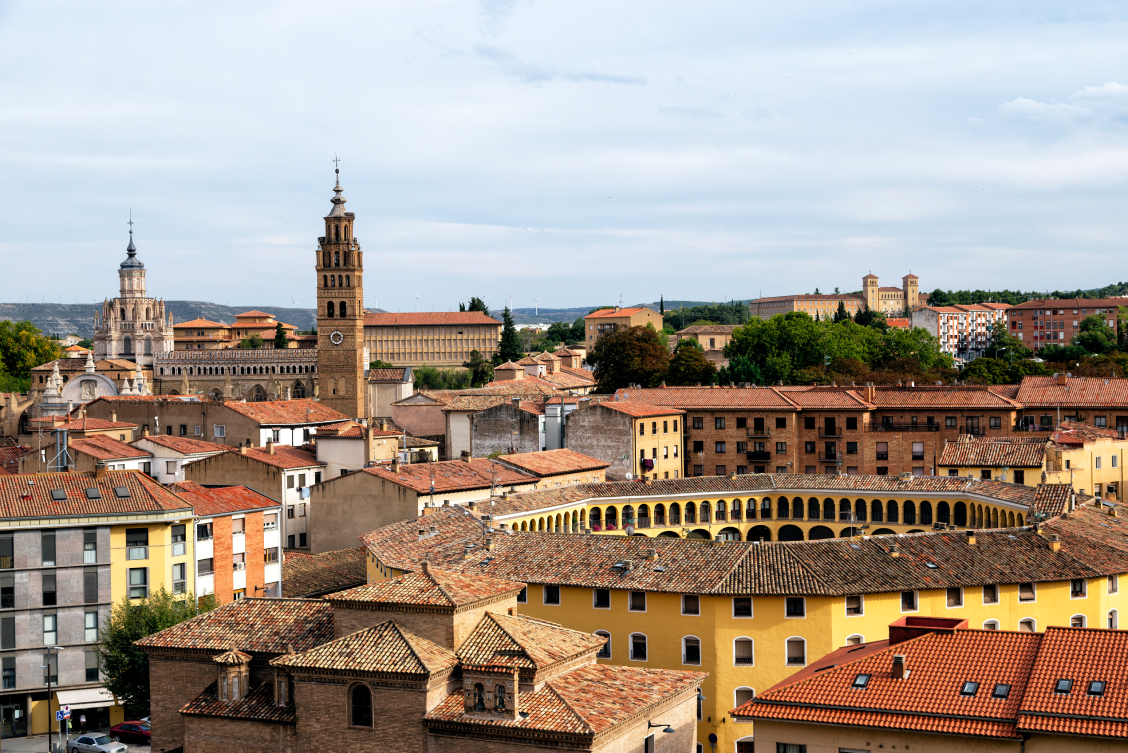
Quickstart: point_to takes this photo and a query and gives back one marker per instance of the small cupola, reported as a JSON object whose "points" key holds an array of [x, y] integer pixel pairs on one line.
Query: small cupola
{"points": [[234, 675]]}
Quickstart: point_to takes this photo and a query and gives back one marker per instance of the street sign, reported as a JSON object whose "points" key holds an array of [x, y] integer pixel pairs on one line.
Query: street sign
{"points": [[59, 716]]}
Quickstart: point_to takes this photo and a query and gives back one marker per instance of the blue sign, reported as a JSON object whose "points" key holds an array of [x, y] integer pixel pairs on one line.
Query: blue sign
{"points": [[59, 716]]}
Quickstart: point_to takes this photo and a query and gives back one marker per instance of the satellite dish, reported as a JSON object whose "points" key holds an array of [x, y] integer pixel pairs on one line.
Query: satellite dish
{"points": [[629, 530], [629, 475]]}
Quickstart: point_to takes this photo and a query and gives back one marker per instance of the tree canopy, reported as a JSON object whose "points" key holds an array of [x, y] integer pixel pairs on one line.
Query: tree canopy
{"points": [[280, 341], [476, 304], [123, 664], [723, 313], [632, 355], [23, 347], [509, 349], [688, 365]]}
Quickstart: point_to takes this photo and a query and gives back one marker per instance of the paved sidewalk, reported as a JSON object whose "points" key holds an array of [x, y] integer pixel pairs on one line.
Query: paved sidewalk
{"points": [[38, 744]]}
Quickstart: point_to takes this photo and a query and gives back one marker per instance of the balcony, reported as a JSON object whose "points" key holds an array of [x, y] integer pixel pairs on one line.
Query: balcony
{"points": [[759, 456], [754, 432], [643, 523], [974, 431], [882, 456], [904, 427], [830, 433], [830, 457]]}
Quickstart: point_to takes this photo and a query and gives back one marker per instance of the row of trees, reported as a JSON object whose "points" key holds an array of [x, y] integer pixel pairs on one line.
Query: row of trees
{"points": [[22, 348], [940, 297], [1096, 350]]}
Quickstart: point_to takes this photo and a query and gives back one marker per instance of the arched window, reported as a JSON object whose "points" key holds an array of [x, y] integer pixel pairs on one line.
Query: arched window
{"points": [[332, 281], [346, 232], [348, 281], [330, 309], [876, 514], [148, 313], [742, 653], [796, 652], [659, 515], [258, 394], [926, 513], [123, 314], [856, 639], [813, 509], [595, 519], [828, 509], [234, 687], [1077, 621], [691, 650], [909, 513], [298, 392], [843, 509], [610, 518], [148, 345], [360, 702], [675, 514], [705, 512], [784, 508], [765, 509], [1113, 619], [638, 647], [605, 649], [943, 512], [344, 310], [959, 515], [499, 698], [479, 697], [722, 512], [690, 512], [891, 512], [744, 695], [991, 625], [324, 281], [336, 258], [860, 511], [644, 515], [337, 232], [1027, 625]]}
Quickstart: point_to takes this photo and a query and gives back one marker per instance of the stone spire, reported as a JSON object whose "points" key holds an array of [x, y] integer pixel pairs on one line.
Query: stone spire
{"points": [[90, 363], [338, 200], [139, 385]]}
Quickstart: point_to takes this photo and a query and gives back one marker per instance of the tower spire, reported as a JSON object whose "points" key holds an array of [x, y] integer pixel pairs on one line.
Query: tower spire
{"points": [[338, 200]]}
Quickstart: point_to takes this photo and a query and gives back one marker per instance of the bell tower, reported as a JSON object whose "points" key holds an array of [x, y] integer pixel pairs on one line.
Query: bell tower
{"points": [[340, 312]]}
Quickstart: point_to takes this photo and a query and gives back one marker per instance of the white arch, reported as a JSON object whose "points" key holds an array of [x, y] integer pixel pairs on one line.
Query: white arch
{"points": [[1084, 621], [735, 702], [857, 638], [700, 658], [787, 641], [1033, 624], [631, 646], [991, 625], [1113, 619], [750, 640]]}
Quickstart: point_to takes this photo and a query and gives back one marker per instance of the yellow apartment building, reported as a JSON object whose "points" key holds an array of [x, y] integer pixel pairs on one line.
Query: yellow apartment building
{"points": [[606, 321], [751, 614], [1091, 458], [71, 546], [1019, 460], [653, 434]]}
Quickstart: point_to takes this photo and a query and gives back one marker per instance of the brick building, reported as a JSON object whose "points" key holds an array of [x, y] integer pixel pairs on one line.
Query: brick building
{"points": [[430, 338], [605, 321], [434, 661], [1055, 321], [637, 439]]}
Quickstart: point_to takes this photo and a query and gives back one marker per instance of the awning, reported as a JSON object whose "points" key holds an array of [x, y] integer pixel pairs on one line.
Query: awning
{"points": [[85, 698]]}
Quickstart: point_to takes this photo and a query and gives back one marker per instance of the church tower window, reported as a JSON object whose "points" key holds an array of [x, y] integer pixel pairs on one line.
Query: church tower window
{"points": [[348, 282], [337, 232], [329, 309], [332, 281], [336, 258], [324, 281], [344, 309]]}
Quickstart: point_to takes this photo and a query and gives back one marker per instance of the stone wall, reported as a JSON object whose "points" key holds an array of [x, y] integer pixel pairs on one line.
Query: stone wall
{"points": [[205, 734], [179, 680], [602, 433], [493, 431], [237, 373]]}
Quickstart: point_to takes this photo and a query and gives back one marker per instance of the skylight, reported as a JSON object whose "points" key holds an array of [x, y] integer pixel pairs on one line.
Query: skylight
{"points": [[969, 688], [1002, 690], [1063, 686], [121, 491], [58, 494], [861, 681], [1097, 687], [93, 493]]}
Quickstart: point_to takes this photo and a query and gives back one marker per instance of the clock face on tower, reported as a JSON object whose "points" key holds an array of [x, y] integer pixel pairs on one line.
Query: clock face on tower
{"points": [[337, 338]]}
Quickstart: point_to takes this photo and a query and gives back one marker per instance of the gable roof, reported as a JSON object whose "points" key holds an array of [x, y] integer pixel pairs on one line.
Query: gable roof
{"points": [[388, 319], [638, 409], [309, 575], [200, 323], [390, 375], [184, 445], [502, 641], [223, 500], [1077, 392], [103, 447], [284, 456], [429, 587], [84, 424], [553, 462], [709, 329], [1072, 433], [287, 412], [255, 625], [403, 545], [387, 648], [452, 475], [10, 457], [605, 313], [720, 398], [994, 452], [29, 495], [932, 396]]}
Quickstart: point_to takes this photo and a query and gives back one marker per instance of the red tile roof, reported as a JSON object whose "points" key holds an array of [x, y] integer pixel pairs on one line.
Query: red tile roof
{"points": [[813, 297], [453, 475], [717, 398], [502, 641], [29, 495], [200, 323], [429, 587], [932, 396], [709, 329], [184, 445], [254, 313], [103, 447], [287, 412], [387, 375], [284, 457], [1076, 434], [992, 452], [637, 409], [1077, 392], [223, 500], [604, 313], [258, 705], [374, 319], [554, 462], [10, 457], [83, 424], [1070, 303], [387, 648], [401, 546], [310, 575], [254, 625]]}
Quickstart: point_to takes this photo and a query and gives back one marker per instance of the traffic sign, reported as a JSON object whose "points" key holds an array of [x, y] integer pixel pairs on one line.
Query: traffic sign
{"points": [[59, 716]]}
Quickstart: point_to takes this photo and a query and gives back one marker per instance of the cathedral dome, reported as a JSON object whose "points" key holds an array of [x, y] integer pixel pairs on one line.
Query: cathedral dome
{"points": [[131, 261]]}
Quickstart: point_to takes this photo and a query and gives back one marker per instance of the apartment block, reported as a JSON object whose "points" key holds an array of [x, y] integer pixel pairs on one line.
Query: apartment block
{"points": [[965, 332], [1056, 321]]}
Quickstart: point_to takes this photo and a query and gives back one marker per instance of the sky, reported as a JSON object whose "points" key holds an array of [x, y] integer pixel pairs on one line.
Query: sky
{"points": [[563, 153]]}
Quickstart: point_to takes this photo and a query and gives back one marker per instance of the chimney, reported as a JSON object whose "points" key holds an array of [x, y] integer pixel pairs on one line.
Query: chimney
{"points": [[100, 470], [426, 567], [1055, 542], [242, 449], [489, 545], [145, 431], [467, 553], [433, 531], [270, 447], [870, 392], [895, 552], [900, 670], [422, 533], [113, 416], [395, 464], [970, 537], [652, 554], [1060, 378], [466, 455]]}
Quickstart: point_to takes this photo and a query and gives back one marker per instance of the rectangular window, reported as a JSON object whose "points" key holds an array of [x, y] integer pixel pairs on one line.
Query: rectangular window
{"points": [[7, 591], [138, 582], [203, 531], [720, 447], [721, 471], [90, 585], [637, 601], [91, 625], [523, 597], [1114, 584], [1026, 592], [995, 422], [91, 666], [552, 594], [653, 427], [601, 598], [48, 544], [918, 450], [290, 482], [270, 556], [89, 546], [691, 604], [7, 632], [1097, 462], [137, 543], [851, 448], [698, 446], [955, 597], [742, 447], [698, 422], [854, 605], [691, 651], [642, 428], [742, 423], [698, 470], [742, 652], [179, 578], [808, 422], [219, 431], [809, 448], [238, 526], [781, 423], [719, 422], [239, 561], [1019, 477], [9, 664], [50, 629], [908, 601], [50, 595], [1101, 421], [991, 594], [781, 448], [170, 467], [1078, 588], [638, 647], [183, 430], [795, 606], [951, 422], [797, 656], [742, 606], [51, 667]]}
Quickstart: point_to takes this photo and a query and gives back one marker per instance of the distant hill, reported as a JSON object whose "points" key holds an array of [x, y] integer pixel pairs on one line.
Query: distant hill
{"points": [[78, 318], [549, 315]]}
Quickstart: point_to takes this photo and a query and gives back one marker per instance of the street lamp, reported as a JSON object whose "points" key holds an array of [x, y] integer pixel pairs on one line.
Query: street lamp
{"points": [[48, 668], [668, 729]]}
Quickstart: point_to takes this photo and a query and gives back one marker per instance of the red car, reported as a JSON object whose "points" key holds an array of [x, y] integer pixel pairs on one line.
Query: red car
{"points": [[131, 732]]}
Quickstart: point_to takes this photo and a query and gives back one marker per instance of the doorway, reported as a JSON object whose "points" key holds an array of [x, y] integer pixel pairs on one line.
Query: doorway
{"points": [[14, 720]]}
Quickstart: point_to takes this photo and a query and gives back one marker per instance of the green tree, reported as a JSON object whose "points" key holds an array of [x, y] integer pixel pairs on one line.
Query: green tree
{"points": [[378, 364], [740, 370], [476, 304], [1005, 345], [431, 378], [689, 365], [280, 341], [253, 342], [661, 304], [23, 347], [840, 315], [509, 349], [87, 343], [867, 317], [633, 355], [481, 370], [1095, 336], [123, 664]]}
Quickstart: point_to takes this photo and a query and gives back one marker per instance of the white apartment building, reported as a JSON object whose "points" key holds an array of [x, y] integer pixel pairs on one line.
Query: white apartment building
{"points": [[963, 331]]}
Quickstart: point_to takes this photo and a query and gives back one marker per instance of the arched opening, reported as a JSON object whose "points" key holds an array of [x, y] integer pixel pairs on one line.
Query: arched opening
{"points": [[1010, 519], [524, 525], [148, 313], [876, 511], [690, 513], [499, 698], [860, 510], [148, 345], [668, 535], [610, 519], [258, 394], [644, 516], [344, 310], [909, 510], [360, 698], [326, 256], [850, 532], [722, 511], [790, 533], [926, 513], [818, 533], [814, 510], [628, 515], [943, 512], [759, 532], [332, 281], [127, 346], [765, 508], [479, 697], [960, 515], [884, 532], [216, 395], [784, 508], [346, 232], [730, 534], [844, 509], [336, 258], [675, 514], [324, 281], [700, 533], [595, 519], [337, 233], [659, 515], [995, 518], [348, 281], [891, 512], [330, 310], [704, 512], [828, 509]]}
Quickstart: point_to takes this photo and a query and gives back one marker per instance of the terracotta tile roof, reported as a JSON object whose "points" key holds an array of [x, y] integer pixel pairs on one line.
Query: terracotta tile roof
{"points": [[223, 500], [347, 430], [706, 398], [28, 495], [310, 575], [508, 366], [1074, 433], [1081, 655], [899, 323], [284, 457], [554, 462], [232, 658], [184, 445], [995, 453], [812, 297], [585, 701], [1079, 392], [77, 349], [200, 323], [709, 329], [255, 313], [103, 447], [82, 424], [528, 361], [453, 475], [605, 313], [400, 545], [387, 375], [287, 412], [10, 457], [570, 379], [828, 398], [504, 641], [528, 385], [258, 705], [430, 587], [476, 403], [441, 397], [638, 409], [374, 319], [941, 397], [1070, 303], [257, 626], [386, 648]]}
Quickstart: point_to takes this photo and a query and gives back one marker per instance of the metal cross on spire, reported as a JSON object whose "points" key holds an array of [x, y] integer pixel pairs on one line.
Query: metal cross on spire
{"points": [[131, 222], [336, 163]]}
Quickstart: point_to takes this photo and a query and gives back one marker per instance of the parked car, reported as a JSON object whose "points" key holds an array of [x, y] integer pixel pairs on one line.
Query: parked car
{"points": [[131, 732], [95, 744]]}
